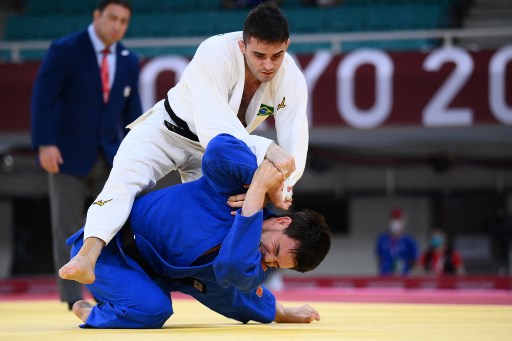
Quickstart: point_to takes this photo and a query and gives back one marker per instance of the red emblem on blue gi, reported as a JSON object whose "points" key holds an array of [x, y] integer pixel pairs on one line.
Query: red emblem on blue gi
{"points": [[259, 291], [264, 266]]}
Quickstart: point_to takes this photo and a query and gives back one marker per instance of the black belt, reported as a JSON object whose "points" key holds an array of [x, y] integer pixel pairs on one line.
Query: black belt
{"points": [[182, 126], [130, 248]]}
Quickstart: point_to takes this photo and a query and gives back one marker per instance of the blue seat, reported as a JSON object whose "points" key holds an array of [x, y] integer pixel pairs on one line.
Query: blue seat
{"points": [[307, 19], [345, 19], [44, 27], [230, 21], [42, 7], [75, 7]]}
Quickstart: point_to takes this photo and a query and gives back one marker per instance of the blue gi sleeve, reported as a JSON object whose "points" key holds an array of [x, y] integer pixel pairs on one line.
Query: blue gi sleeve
{"points": [[239, 260], [257, 305], [228, 164]]}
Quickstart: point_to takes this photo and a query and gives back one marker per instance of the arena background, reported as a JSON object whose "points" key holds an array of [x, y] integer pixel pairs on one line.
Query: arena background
{"points": [[410, 106]]}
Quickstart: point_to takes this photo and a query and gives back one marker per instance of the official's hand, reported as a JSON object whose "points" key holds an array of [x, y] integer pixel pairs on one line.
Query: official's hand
{"points": [[50, 158], [281, 159]]}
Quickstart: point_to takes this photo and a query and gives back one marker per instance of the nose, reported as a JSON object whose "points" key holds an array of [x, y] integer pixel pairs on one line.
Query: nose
{"points": [[268, 65]]}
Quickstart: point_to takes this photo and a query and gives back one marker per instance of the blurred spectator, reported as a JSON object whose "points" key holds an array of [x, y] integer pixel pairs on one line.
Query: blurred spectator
{"points": [[322, 3], [238, 4], [396, 251], [441, 258]]}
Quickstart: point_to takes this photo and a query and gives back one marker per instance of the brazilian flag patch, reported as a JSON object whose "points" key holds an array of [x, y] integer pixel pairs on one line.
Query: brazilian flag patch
{"points": [[265, 110]]}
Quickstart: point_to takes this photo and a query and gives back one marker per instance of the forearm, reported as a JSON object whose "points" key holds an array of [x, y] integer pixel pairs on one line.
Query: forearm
{"points": [[254, 201], [280, 315], [266, 179]]}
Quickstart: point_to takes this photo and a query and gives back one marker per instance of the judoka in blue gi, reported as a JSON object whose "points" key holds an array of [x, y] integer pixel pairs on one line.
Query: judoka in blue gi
{"points": [[184, 238]]}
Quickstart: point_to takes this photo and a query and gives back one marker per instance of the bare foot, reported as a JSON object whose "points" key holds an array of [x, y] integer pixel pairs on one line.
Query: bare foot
{"points": [[82, 309], [79, 269]]}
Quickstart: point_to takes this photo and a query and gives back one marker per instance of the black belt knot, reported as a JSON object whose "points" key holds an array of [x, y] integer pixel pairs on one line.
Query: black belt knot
{"points": [[182, 127]]}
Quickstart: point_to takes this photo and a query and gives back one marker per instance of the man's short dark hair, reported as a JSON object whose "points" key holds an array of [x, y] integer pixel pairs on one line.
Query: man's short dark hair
{"points": [[104, 3], [266, 22], [310, 229]]}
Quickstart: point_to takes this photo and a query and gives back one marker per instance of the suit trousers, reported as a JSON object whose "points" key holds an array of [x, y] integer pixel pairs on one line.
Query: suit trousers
{"points": [[68, 196]]}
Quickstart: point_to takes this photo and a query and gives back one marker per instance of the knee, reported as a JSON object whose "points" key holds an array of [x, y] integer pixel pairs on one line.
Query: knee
{"points": [[157, 312]]}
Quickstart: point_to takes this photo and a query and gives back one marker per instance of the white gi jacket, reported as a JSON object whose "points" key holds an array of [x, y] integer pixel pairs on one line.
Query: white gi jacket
{"points": [[207, 98]]}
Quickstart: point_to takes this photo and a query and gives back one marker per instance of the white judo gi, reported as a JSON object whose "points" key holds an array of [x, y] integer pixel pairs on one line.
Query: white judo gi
{"points": [[207, 98]]}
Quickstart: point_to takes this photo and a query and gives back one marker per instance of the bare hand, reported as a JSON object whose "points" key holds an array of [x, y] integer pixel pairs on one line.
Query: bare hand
{"points": [[279, 201], [302, 314], [268, 177], [236, 202], [50, 158], [281, 159]]}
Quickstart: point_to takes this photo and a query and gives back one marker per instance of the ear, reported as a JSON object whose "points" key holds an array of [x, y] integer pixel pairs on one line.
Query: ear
{"points": [[283, 222], [241, 45], [287, 44], [96, 14]]}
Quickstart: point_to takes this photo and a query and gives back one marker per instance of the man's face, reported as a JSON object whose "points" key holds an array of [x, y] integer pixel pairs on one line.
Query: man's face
{"points": [[263, 59], [111, 24], [275, 246], [396, 226]]}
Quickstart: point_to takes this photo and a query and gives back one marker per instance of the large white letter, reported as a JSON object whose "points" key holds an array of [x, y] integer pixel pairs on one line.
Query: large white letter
{"points": [[437, 113], [497, 85], [312, 73], [374, 116]]}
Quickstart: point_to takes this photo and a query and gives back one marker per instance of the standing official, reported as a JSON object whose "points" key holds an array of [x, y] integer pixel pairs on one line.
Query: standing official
{"points": [[84, 96]]}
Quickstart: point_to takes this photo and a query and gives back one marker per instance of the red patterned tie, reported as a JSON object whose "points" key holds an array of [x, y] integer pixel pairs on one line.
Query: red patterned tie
{"points": [[104, 75]]}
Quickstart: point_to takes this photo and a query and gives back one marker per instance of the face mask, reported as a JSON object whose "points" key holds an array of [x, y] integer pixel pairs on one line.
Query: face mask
{"points": [[436, 241], [395, 226]]}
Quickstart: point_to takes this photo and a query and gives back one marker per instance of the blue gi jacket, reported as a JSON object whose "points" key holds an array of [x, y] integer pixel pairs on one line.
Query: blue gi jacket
{"points": [[174, 226]]}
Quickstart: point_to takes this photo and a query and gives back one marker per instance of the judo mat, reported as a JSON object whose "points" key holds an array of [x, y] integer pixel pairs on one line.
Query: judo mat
{"points": [[356, 314]]}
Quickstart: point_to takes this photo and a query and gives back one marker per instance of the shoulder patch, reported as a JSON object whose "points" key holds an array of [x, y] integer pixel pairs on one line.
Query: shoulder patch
{"points": [[259, 291]]}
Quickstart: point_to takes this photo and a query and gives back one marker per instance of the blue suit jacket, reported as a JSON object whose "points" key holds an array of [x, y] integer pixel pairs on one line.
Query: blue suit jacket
{"points": [[68, 108]]}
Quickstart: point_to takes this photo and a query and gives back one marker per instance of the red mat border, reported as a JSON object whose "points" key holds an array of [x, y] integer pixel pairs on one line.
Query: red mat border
{"points": [[467, 290]]}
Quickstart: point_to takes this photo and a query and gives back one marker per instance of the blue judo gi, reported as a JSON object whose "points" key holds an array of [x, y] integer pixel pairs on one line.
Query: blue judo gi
{"points": [[173, 227]]}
